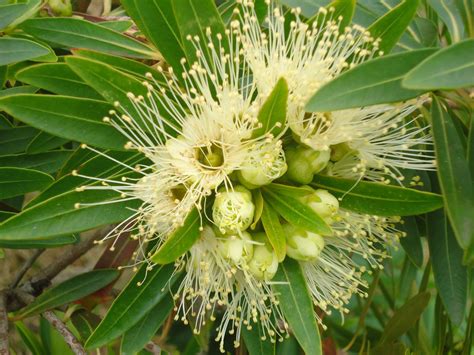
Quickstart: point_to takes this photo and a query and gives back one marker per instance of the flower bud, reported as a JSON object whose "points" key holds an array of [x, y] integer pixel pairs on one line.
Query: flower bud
{"points": [[238, 248], [265, 162], [301, 244], [233, 210], [264, 262], [323, 203], [304, 162], [61, 7]]}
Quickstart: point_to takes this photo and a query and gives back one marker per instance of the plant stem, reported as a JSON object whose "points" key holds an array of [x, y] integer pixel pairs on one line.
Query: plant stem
{"points": [[26, 266]]}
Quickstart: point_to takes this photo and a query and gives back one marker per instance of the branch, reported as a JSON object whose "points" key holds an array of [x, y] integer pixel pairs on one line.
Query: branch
{"points": [[3, 325], [26, 266]]}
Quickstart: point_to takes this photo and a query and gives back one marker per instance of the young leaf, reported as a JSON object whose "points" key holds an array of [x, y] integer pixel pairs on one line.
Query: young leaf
{"points": [[69, 291], [156, 20], [297, 306], [77, 33], [455, 177], [14, 50], [57, 78], [374, 82], [296, 212], [60, 216], [379, 199], [450, 68], [272, 114], [274, 231], [144, 291], [449, 13], [17, 181], [390, 27], [68, 117], [451, 277], [136, 337], [180, 241]]}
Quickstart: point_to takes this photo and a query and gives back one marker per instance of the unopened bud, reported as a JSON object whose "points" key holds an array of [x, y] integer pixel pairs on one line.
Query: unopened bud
{"points": [[265, 162], [304, 162], [301, 244], [323, 203], [238, 248], [233, 210], [264, 263], [61, 7]]}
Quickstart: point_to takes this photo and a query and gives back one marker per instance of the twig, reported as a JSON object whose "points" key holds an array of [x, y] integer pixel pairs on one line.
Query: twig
{"points": [[3, 325], [69, 338], [153, 348], [26, 266]]}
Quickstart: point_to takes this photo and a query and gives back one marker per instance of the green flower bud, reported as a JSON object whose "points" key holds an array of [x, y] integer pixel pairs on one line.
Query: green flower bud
{"points": [[323, 203], [233, 210], [61, 7], [304, 162], [265, 162], [301, 244], [238, 248], [264, 262]]}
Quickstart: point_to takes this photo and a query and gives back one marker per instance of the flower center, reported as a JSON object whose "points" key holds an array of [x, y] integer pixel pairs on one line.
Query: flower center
{"points": [[210, 156]]}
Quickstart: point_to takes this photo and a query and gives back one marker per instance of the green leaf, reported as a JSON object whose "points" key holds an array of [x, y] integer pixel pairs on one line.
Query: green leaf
{"points": [[53, 242], [69, 291], [16, 181], [136, 337], [12, 14], [193, 17], [44, 142], [59, 216], [48, 162], [373, 82], [274, 231], [450, 68], [308, 7], [272, 114], [156, 20], [344, 9], [57, 78], [117, 25], [450, 275], [297, 305], [390, 27], [16, 140], [29, 339], [180, 241], [291, 191], [25, 89], [405, 317], [296, 212], [254, 343], [77, 33], [4, 215], [67, 117], [411, 243], [133, 303], [14, 50], [449, 13], [379, 199], [455, 177]]}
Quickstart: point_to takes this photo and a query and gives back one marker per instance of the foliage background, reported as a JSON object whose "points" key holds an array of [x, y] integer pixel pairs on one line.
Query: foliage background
{"points": [[61, 66]]}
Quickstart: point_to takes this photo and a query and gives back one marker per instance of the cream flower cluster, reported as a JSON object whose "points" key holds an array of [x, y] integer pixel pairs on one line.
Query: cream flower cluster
{"points": [[197, 133]]}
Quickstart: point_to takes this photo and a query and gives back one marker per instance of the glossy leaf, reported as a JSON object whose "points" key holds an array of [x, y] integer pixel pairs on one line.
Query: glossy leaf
{"points": [[53, 242], [44, 142], [77, 33], [296, 212], [455, 177], [16, 140], [133, 303], [14, 50], [14, 13], [379, 199], [180, 241], [411, 243], [47, 162], [450, 68], [136, 337], [29, 339], [17, 181], [254, 343], [69, 291], [59, 216], [390, 27], [24, 89], [66, 117], [297, 305], [272, 114], [117, 25], [156, 20], [449, 13], [308, 7], [274, 231], [57, 78], [451, 277], [373, 82]]}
